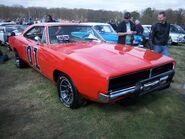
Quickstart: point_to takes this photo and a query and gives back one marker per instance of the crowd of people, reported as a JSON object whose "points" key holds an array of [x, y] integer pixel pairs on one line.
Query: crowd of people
{"points": [[30, 21], [159, 34]]}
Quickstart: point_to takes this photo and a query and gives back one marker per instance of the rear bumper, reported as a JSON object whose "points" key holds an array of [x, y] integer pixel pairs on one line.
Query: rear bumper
{"points": [[158, 82]]}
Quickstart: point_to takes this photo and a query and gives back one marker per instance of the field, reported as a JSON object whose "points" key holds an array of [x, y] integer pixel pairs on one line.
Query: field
{"points": [[29, 108]]}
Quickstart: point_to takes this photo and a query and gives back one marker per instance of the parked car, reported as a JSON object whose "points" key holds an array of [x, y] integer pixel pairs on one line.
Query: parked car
{"points": [[146, 34], [105, 30], [183, 27], [149, 27], [177, 34], [16, 29], [2, 28], [7, 29], [83, 67], [6, 23]]}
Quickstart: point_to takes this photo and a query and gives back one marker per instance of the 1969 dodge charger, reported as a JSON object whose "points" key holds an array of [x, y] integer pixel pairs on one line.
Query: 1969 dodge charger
{"points": [[84, 67]]}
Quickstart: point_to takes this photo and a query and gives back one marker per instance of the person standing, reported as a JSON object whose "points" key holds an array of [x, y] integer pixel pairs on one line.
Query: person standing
{"points": [[48, 18], [139, 38], [30, 21], [126, 30], [139, 28], [160, 35], [113, 24]]}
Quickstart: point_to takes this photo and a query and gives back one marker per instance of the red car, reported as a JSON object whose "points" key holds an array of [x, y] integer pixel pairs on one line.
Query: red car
{"points": [[83, 67]]}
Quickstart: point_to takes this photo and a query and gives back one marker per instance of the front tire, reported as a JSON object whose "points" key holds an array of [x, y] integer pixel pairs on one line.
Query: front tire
{"points": [[68, 93]]}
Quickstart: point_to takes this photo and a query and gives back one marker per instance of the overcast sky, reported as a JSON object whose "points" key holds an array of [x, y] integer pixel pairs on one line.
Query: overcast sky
{"points": [[114, 5]]}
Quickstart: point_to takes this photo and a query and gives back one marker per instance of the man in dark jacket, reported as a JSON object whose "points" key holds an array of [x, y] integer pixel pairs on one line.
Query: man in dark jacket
{"points": [[160, 35], [126, 30]]}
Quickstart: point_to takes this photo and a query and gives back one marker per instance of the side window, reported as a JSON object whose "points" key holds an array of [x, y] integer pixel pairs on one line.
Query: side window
{"points": [[173, 29], [33, 32]]}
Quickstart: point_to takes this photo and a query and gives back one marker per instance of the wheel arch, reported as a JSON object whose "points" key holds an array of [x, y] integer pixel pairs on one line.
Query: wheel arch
{"points": [[56, 74]]}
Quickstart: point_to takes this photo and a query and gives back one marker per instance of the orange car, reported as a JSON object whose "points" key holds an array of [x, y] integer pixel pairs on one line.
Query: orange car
{"points": [[84, 67]]}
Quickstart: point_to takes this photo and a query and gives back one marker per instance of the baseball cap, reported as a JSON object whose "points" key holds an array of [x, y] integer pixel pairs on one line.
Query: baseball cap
{"points": [[127, 15]]}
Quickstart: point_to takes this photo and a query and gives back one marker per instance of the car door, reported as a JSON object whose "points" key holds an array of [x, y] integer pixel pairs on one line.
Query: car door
{"points": [[32, 44]]}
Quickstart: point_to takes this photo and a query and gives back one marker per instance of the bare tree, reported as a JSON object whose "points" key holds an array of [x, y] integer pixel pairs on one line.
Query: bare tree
{"points": [[147, 16]]}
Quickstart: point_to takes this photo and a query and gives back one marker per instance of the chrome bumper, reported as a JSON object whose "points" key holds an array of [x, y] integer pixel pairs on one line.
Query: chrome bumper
{"points": [[158, 82]]}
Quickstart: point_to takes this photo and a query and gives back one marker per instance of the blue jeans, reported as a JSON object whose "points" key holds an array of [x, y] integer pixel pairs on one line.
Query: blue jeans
{"points": [[162, 49]]}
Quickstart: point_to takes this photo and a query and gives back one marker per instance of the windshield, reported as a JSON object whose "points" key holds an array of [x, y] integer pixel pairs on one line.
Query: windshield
{"points": [[176, 29], [10, 29], [68, 34], [180, 29], [104, 29]]}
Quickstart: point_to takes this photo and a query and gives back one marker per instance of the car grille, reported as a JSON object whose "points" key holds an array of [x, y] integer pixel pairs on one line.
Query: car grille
{"points": [[162, 69], [132, 79], [128, 80]]}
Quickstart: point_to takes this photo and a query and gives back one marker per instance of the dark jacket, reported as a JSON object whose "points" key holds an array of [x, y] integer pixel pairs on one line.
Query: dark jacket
{"points": [[122, 28], [139, 29], [160, 34], [114, 26]]}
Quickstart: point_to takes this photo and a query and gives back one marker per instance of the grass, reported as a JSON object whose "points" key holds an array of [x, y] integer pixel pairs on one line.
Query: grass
{"points": [[29, 108]]}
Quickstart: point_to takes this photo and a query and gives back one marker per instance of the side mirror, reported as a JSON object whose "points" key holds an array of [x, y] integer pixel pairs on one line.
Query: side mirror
{"points": [[38, 39]]}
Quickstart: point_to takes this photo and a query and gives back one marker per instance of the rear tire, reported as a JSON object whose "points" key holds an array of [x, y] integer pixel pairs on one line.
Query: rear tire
{"points": [[18, 61], [68, 93]]}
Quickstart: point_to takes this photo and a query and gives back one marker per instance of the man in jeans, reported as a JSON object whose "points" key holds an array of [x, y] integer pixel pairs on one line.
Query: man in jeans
{"points": [[160, 35]]}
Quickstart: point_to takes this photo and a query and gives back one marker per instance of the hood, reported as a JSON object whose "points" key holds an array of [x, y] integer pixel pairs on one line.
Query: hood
{"points": [[112, 59]]}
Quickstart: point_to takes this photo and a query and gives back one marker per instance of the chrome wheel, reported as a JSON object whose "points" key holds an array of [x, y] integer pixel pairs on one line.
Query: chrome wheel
{"points": [[66, 92], [17, 61]]}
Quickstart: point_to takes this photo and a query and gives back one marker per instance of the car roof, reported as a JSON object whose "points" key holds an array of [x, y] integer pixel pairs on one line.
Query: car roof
{"points": [[146, 28], [146, 25], [7, 23], [58, 24], [15, 25], [50, 24], [94, 23]]}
